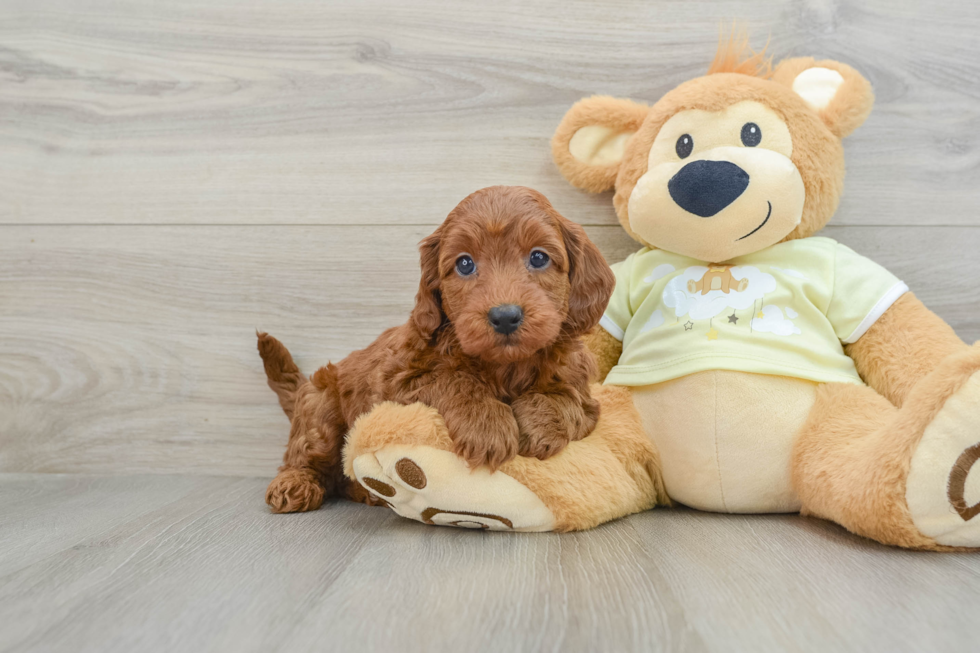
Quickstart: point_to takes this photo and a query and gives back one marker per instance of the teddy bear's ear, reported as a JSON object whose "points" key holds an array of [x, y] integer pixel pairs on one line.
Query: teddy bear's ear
{"points": [[589, 143], [838, 93]]}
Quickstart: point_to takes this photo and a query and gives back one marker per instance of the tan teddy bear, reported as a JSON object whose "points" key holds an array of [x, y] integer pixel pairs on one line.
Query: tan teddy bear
{"points": [[752, 366]]}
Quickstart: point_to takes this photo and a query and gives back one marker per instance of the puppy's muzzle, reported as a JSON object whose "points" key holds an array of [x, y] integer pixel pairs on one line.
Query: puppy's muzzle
{"points": [[506, 318]]}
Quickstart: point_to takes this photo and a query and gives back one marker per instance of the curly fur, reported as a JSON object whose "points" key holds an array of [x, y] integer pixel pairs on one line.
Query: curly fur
{"points": [[500, 395]]}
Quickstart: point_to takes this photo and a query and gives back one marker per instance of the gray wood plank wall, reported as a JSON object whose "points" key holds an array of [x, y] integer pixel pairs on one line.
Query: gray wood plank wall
{"points": [[175, 175]]}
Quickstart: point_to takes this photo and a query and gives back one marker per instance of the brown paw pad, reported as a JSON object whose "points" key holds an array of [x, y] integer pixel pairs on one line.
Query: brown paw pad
{"points": [[957, 483], [411, 473], [479, 520], [381, 488]]}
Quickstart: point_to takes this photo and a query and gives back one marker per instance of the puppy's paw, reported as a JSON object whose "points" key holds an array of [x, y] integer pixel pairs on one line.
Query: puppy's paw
{"points": [[544, 429], [294, 490], [490, 443], [542, 445]]}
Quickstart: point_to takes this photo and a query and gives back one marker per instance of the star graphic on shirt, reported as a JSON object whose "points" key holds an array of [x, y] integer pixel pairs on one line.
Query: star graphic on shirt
{"points": [[713, 334], [760, 315], [732, 319], [688, 325]]}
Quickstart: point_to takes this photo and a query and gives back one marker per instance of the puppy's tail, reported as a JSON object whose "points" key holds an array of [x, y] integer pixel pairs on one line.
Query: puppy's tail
{"points": [[284, 377]]}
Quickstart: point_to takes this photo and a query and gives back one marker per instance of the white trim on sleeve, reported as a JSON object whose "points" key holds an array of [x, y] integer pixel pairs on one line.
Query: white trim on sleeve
{"points": [[612, 328], [879, 309]]}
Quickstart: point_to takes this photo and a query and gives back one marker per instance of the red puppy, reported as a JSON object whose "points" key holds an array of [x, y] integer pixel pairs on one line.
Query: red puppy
{"points": [[508, 286]]}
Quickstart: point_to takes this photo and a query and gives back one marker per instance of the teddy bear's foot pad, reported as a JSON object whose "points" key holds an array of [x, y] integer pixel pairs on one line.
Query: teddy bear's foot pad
{"points": [[943, 486], [434, 486]]}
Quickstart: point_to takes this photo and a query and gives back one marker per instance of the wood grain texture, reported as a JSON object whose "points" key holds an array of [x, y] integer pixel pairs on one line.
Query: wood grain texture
{"points": [[175, 175], [132, 348], [172, 563], [384, 112]]}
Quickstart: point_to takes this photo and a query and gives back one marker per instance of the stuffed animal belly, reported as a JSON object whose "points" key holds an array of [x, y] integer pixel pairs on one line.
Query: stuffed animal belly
{"points": [[725, 438]]}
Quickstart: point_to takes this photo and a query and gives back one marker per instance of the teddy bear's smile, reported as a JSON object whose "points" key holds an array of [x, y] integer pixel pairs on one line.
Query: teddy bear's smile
{"points": [[768, 215]]}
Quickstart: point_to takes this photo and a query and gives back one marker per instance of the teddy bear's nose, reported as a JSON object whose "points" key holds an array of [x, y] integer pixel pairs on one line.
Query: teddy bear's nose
{"points": [[706, 187]]}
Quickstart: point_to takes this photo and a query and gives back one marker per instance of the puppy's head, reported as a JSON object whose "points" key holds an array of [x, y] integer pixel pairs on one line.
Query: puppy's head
{"points": [[511, 275]]}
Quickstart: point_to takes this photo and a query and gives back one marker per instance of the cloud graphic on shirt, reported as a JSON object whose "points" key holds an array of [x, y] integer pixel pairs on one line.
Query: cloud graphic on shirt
{"points": [[656, 319], [659, 273], [790, 313], [791, 273], [703, 307], [772, 321]]}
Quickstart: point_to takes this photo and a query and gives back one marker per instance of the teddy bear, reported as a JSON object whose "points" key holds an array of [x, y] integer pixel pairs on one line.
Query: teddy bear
{"points": [[749, 365]]}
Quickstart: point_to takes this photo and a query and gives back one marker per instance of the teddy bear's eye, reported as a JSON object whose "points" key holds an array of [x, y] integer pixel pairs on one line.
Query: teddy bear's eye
{"points": [[751, 134], [684, 146]]}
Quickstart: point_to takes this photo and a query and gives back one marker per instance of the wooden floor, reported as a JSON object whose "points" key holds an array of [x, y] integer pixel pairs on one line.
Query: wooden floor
{"points": [[175, 175], [195, 563]]}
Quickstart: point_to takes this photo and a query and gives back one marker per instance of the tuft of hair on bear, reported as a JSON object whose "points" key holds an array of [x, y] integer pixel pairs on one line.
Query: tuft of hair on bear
{"points": [[508, 286]]}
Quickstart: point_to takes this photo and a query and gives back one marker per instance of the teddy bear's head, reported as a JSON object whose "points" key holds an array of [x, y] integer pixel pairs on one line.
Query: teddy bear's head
{"points": [[726, 164]]}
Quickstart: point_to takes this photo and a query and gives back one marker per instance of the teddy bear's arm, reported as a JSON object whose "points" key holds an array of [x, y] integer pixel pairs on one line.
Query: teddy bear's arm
{"points": [[403, 455], [904, 345], [605, 348]]}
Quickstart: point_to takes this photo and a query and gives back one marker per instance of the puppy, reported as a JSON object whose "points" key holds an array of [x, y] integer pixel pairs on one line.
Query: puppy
{"points": [[508, 287]]}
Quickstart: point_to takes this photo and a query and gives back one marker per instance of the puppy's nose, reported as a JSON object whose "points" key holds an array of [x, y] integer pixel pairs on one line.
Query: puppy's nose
{"points": [[706, 187], [505, 318]]}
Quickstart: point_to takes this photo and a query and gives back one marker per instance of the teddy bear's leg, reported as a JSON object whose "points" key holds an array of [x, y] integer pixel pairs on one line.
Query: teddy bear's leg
{"points": [[905, 476], [403, 456]]}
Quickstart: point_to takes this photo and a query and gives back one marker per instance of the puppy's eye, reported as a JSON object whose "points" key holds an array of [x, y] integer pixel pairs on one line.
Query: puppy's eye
{"points": [[539, 259], [465, 265], [751, 134], [685, 144]]}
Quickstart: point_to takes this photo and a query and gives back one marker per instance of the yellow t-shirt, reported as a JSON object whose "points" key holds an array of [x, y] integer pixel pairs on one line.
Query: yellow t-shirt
{"points": [[786, 310]]}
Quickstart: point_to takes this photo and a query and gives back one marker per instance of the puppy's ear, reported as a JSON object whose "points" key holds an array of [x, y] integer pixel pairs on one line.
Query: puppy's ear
{"points": [[838, 93], [590, 277], [427, 314], [589, 144]]}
